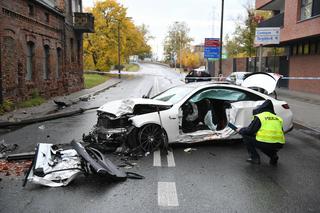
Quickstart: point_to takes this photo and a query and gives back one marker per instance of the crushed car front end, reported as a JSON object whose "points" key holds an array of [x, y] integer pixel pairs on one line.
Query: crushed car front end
{"points": [[115, 125]]}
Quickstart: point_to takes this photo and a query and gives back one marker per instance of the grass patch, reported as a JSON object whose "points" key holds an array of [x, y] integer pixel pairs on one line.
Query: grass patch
{"points": [[92, 80], [35, 100], [6, 106], [132, 67]]}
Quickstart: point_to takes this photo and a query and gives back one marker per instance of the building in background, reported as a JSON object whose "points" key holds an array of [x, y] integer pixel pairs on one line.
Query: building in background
{"points": [[41, 47], [299, 21]]}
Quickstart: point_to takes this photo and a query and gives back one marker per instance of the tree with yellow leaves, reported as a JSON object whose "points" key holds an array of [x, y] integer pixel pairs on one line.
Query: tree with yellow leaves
{"points": [[101, 47], [190, 60]]}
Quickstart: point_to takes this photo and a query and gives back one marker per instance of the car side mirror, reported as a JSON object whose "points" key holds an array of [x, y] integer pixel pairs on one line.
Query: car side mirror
{"points": [[145, 96]]}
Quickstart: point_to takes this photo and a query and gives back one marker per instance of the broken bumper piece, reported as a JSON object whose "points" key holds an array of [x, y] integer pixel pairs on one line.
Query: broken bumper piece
{"points": [[55, 167]]}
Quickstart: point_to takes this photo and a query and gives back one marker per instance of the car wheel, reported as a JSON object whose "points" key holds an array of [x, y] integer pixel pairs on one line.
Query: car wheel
{"points": [[151, 136]]}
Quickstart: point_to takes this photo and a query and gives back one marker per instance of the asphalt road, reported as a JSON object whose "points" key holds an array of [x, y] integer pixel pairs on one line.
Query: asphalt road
{"points": [[211, 178]]}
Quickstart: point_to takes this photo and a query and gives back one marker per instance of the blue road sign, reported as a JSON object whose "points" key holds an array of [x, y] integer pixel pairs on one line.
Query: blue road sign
{"points": [[212, 52]]}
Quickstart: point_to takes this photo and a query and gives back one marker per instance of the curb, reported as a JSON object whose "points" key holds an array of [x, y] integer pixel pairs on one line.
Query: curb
{"points": [[304, 126]]}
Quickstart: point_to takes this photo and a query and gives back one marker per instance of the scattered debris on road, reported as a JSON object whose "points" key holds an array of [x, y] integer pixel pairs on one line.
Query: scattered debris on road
{"points": [[4, 148], [17, 168], [42, 127], [55, 167], [189, 150], [21, 156], [61, 104]]}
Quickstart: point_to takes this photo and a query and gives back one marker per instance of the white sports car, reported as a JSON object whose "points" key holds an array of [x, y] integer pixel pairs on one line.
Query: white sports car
{"points": [[187, 113]]}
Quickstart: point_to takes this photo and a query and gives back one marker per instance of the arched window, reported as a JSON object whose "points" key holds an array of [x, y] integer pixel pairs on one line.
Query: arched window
{"points": [[59, 62], [46, 64], [30, 60]]}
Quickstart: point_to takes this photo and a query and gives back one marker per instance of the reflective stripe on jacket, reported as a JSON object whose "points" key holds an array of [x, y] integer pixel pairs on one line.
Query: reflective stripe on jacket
{"points": [[271, 128]]}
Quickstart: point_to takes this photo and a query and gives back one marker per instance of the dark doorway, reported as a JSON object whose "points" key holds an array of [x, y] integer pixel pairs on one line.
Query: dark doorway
{"points": [[284, 70]]}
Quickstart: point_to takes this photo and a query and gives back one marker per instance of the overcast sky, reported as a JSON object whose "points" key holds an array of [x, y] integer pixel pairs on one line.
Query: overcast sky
{"points": [[202, 17]]}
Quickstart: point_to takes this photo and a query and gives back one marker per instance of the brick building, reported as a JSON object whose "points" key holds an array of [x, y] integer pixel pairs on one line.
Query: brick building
{"points": [[299, 21], [41, 47]]}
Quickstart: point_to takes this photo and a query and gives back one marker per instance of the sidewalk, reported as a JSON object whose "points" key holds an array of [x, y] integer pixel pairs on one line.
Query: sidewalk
{"points": [[305, 107], [49, 109]]}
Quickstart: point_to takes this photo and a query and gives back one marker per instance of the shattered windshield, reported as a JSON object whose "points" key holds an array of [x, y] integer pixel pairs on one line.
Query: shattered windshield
{"points": [[173, 95]]}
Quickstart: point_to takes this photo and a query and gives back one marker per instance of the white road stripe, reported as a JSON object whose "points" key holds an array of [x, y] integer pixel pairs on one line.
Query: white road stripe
{"points": [[167, 194], [170, 159], [156, 158]]}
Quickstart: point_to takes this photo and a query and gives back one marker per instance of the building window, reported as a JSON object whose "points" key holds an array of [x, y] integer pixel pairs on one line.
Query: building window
{"points": [[47, 17], [30, 60], [70, 7], [316, 8], [72, 49], [78, 51], [59, 63], [46, 62], [31, 9], [313, 48], [294, 50], [306, 48], [300, 49], [309, 8], [306, 9], [318, 47]]}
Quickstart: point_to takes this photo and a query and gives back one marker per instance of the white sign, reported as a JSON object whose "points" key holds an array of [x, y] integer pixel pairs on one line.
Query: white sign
{"points": [[267, 35]]}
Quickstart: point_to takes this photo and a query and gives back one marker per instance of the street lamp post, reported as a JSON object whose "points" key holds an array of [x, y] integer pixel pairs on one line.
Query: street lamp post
{"points": [[119, 42], [221, 35], [119, 51]]}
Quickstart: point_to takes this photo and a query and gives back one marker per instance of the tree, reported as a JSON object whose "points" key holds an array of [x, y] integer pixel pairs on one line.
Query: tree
{"points": [[190, 59], [242, 42], [101, 47], [177, 39], [144, 30]]}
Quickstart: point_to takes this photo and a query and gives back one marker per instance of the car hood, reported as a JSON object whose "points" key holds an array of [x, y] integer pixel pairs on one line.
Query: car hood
{"points": [[266, 81], [126, 106]]}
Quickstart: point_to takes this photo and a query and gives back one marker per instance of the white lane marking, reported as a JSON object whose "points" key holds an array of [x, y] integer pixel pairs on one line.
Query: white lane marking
{"points": [[156, 85], [167, 194], [157, 158], [170, 159]]}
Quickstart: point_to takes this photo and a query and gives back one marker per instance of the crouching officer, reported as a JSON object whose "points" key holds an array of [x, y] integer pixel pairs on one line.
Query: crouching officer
{"points": [[265, 132]]}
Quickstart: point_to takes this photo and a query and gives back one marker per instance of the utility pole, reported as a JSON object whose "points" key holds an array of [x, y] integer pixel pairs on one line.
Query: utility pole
{"points": [[119, 51], [221, 37], [180, 44]]}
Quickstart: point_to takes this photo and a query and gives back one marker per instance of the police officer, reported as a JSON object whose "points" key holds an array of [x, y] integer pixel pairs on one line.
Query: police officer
{"points": [[265, 132]]}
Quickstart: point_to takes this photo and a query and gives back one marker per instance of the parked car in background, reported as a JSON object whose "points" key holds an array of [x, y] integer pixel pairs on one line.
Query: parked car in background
{"points": [[236, 77], [197, 75], [202, 69]]}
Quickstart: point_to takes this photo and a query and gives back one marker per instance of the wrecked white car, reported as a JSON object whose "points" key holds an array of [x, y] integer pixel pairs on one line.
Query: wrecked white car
{"points": [[188, 113]]}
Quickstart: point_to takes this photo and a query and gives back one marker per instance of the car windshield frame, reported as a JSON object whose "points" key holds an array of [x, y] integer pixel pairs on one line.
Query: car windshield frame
{"points": [[174, 94]]}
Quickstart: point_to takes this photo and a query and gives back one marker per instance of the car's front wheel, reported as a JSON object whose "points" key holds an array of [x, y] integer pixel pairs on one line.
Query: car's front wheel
{"points": [[151, 136]]}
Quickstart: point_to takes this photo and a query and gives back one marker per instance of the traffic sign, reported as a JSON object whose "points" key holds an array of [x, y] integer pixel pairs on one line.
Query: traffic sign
{"points": [[212, 42], [267, 35], [212, 48]]}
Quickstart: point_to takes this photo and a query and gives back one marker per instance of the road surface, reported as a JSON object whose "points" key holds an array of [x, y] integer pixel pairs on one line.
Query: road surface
{"points": [[213, 177]]}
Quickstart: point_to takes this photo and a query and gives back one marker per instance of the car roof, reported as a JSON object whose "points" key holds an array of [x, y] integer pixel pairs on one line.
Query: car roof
{"points": [[204, 83]]}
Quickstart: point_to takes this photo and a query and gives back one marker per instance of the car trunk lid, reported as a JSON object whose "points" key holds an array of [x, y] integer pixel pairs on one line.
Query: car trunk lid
{"points": [[263, 80]]}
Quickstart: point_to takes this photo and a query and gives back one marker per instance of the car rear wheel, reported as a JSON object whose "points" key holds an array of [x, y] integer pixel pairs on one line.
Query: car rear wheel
{"points": [[151, 136]]}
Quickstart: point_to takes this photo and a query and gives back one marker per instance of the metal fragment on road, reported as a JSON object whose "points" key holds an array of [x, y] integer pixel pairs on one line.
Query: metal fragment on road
{"points": [[189, 150], [42, 127]]}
